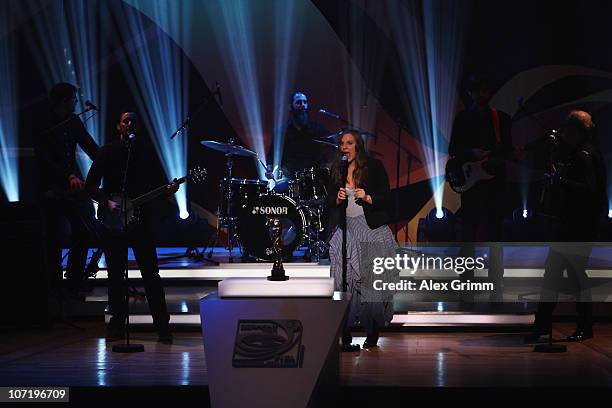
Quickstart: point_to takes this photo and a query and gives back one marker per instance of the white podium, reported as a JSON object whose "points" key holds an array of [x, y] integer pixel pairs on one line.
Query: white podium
{"points": [[271, 344]]}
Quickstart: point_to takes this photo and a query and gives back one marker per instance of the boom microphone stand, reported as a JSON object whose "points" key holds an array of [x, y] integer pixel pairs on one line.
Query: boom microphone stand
{"points": [[193, 252], [127, 347]]}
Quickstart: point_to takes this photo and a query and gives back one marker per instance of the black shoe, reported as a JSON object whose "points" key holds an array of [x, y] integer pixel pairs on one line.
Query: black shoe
{"points": [[165, 337], [535, 337], [371, 341], [350, 347], [580, 335]]}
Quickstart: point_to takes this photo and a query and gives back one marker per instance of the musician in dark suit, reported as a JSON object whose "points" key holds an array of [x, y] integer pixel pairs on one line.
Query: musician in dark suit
{"points": [[110, 166], [580, 180], [61, 184], [482, 133]]}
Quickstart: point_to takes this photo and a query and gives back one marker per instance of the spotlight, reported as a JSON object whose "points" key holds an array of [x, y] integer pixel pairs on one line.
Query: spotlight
{"points": [[522, 214], [438, 215], [438, 226], [610, 213], [184, 214]]}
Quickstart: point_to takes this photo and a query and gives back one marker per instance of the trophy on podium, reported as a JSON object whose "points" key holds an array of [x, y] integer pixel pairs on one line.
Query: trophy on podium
{"points": [[278, 272]]}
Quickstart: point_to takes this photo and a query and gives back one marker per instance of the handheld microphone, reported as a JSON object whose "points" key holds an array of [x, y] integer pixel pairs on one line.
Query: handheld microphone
{"points": [[131, 137], [91, 106], [344, 166]]}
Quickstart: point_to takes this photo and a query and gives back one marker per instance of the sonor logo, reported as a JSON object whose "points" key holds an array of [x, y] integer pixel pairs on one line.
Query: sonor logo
{"points": [[270, 210]]}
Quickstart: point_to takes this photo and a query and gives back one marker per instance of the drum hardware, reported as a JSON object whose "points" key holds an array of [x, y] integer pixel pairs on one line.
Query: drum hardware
{"points": [[312, 185], [230, 150], [316, 246], [246, 206]]}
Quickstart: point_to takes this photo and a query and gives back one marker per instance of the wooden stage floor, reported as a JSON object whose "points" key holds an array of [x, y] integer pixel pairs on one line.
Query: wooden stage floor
{"points": [[64, 356]]}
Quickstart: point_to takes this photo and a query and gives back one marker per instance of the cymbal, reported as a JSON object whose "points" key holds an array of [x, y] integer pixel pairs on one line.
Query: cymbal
{"points": [[325, 142], [228, 149]]}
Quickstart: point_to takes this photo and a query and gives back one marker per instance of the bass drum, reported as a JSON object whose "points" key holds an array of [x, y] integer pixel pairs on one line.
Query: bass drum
{"points": [[256, 237]]}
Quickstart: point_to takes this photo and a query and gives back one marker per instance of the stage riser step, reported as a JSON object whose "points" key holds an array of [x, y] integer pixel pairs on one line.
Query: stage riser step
{"points": [[466, 320]]}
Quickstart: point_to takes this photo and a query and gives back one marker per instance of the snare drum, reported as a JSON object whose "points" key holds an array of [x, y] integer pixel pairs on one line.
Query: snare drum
{"points": [[236, 193], [254, 234]]}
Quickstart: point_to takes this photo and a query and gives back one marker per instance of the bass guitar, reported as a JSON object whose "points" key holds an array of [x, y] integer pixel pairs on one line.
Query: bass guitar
{"points": [[116, 219]]}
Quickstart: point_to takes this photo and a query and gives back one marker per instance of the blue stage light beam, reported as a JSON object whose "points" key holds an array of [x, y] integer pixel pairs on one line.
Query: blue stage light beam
{"points": [[364, 65], [234, 34], [288, 35], [69, 39], [88, 48], [430, 38], [9, 159], [48, 37], [157, 73]]}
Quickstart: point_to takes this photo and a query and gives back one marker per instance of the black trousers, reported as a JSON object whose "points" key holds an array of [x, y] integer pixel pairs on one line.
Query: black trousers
{"points": [[573, 258], [483, 225], [115, 248], [61, 209]]}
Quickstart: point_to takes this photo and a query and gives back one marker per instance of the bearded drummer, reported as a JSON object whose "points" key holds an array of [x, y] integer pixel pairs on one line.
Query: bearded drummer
{"points": [[300, 150]]}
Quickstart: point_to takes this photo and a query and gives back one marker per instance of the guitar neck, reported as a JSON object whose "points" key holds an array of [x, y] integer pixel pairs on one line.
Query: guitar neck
{"points": [[138, 201]]}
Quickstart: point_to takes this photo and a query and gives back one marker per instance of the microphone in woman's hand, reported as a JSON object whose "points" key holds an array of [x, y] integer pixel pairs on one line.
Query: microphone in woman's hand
{"points": [[344, 168]]}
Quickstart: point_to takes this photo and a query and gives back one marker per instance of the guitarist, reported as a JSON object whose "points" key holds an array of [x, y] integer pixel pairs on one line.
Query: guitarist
{"points": [[478, 133], [60, 184], [109, 166]]}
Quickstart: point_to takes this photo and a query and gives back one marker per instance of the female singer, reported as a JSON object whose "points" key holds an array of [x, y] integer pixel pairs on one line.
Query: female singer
{"points": [[365, 196]]}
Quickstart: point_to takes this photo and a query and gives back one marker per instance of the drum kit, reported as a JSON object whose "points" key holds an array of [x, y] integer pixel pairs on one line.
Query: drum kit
{"points": [[248, 205]]}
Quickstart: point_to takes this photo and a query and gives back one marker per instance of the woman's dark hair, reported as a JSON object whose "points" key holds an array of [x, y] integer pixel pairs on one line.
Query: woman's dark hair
{"points": [[361, 169]]}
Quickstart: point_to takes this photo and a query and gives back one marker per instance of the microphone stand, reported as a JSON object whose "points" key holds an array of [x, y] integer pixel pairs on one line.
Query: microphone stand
{"points": [[127, 347], [344, 227], [187, 122], [548, 178], [193, 252], [63, 122]]}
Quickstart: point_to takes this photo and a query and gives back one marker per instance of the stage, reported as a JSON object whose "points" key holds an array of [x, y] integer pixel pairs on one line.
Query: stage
{"points": [[405, 363]]}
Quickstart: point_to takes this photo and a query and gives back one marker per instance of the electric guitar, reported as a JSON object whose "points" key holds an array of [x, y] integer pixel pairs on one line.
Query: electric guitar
{"points": [[115, 219], [462, 175]]}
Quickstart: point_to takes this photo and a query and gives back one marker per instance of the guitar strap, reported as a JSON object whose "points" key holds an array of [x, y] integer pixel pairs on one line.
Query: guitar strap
{"points": [[496, 126]]}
